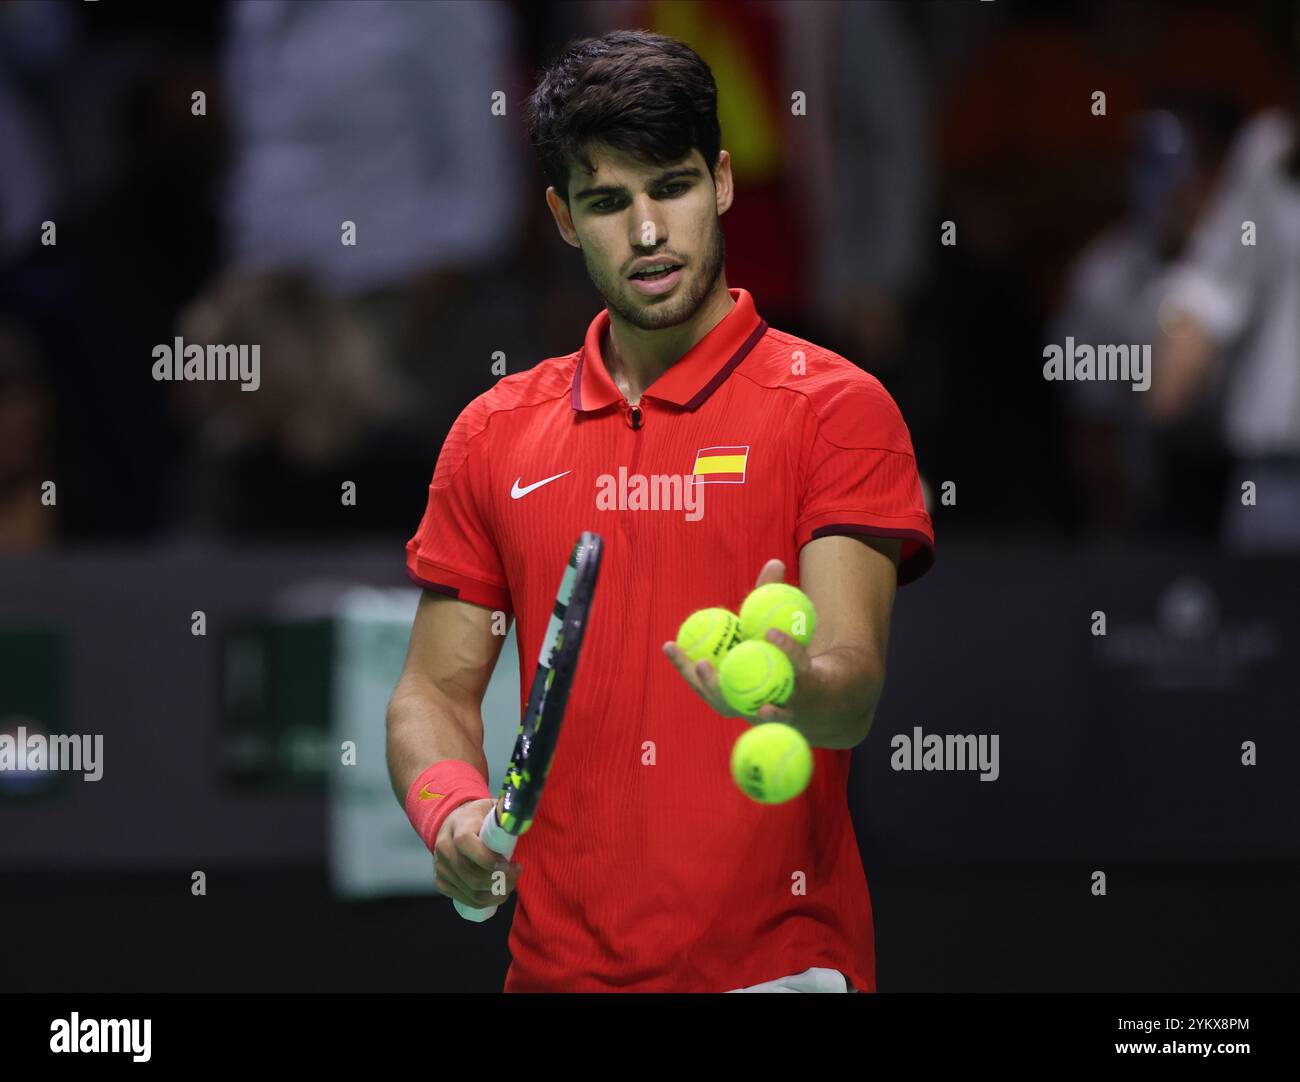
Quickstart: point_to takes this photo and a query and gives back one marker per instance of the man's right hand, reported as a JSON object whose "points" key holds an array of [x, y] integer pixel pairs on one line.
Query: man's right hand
{"points": [[463, 867]]}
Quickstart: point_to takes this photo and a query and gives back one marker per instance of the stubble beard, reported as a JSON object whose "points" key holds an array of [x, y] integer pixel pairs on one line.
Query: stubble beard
{"points": [[653, 314]]}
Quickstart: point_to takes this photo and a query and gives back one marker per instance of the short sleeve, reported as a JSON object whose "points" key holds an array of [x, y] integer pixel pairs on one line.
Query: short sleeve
{"points": [[860, 476], [453, 551]]}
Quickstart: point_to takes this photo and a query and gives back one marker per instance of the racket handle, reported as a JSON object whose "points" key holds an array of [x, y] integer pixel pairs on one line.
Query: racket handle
{"points": [[500, 842]]}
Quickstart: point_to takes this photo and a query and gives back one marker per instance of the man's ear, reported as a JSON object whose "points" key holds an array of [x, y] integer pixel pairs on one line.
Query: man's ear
{"points": [[563, 218], [723, 184]]}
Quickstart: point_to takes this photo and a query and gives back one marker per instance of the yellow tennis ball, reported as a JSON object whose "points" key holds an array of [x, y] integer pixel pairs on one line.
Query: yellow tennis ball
{"points": [[754, 673], [772, 763], [708, 634], [778, 605]]}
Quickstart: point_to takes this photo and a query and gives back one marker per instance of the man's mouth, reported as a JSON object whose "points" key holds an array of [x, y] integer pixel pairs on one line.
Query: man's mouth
{"points": [[659, 270]]}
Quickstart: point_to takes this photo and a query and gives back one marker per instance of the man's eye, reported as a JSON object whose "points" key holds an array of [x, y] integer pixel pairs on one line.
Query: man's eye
{"points": [[604, 204], [676, 189]]}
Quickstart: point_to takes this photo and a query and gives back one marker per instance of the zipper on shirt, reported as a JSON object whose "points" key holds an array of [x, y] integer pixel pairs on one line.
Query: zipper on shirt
{"points": [[635, 418]]}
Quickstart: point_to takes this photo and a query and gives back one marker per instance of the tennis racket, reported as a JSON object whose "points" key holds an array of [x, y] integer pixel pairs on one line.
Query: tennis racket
{"points": [[540, 728]]}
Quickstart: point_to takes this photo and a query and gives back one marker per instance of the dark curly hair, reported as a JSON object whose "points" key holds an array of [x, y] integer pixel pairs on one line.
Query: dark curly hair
{"points": [[645, 94]]}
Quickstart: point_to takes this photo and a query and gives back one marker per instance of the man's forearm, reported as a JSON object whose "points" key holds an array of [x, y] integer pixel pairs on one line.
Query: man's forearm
{"points": [[425, 727], [1184, 356], [835, 704]]}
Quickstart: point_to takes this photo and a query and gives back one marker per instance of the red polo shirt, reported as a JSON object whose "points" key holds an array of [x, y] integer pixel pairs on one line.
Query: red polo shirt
{"points": [[647, 869]]}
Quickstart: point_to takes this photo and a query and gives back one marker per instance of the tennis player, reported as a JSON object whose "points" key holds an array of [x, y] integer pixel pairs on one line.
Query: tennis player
{"points": [[712, 452]]}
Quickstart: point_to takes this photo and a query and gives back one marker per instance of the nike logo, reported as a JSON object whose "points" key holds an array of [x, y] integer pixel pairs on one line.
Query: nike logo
{"points": [[426, 795], [516, 491]]}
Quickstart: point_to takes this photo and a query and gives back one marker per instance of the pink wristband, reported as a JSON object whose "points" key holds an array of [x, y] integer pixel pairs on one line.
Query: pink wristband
{"points": [[439, 791]]}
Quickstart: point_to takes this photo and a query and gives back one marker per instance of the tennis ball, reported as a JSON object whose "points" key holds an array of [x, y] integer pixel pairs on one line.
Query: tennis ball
{"points": [[778, 605], [708, 634], [772, 763], [754, 673]]}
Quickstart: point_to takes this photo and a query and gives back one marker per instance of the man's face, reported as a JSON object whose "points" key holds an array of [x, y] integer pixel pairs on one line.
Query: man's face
{"points": [[628, 212]]}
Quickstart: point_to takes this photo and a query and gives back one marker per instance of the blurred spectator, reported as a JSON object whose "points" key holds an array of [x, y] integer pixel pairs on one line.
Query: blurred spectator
{"points": [[272, 462], [1233, 310], [377, 113], [380, 114], [1129, 478], [1030, 175], [128, 173]]}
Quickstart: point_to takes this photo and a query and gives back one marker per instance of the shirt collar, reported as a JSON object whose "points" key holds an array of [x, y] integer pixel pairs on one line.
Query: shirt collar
{"points": [[692, 379]]}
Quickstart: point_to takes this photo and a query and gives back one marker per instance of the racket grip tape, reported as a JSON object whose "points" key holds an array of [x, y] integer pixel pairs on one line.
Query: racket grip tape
{"points": [[499, 841]]}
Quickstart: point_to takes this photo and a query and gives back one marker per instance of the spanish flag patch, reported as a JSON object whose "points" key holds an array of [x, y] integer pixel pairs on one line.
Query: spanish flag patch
{"points": [[721, 464]]}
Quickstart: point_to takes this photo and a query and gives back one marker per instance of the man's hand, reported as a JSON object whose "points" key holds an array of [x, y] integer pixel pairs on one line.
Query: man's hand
{"points": [[840, 675], [463, 867], [703, 677]]}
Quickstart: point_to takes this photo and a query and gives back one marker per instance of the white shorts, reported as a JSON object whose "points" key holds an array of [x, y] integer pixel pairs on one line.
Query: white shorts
{"points": [[810, 980]]}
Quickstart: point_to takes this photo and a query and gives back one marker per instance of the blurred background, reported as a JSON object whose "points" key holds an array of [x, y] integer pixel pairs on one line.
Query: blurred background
{"points": [[185, 171]]}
